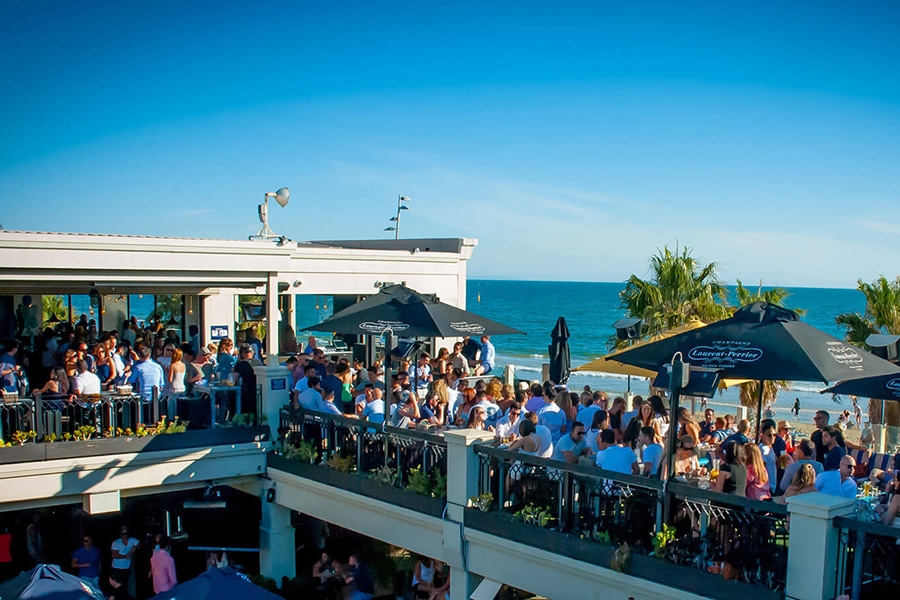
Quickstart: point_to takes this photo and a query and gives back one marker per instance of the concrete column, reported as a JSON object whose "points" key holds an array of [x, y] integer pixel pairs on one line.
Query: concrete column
{"points": [[276, 542], [880, 433], [272, 322], [509, 375], [275, 383], [462, 483], [462, 469], [813, 547]]}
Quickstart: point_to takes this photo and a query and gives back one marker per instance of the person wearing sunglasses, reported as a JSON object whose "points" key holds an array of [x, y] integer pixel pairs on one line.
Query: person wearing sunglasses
{"points": [[571, 447], [86, 561]]}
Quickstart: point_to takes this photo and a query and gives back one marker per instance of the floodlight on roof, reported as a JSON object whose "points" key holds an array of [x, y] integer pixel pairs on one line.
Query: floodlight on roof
{"points": [[282, 197]]}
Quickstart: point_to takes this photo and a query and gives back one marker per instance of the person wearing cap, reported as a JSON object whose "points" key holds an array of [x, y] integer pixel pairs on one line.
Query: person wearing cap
{"points": [[784, 432]]}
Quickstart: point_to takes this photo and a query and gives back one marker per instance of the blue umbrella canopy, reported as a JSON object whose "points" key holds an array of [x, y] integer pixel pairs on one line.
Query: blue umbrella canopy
{"points": [[763, 342], [217, 584], [400, 310], [879, 387], [48, 582]]}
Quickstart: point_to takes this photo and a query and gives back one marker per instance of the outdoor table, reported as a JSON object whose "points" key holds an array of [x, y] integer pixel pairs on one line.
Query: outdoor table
{"points": [[221, 395], [866, 505]]}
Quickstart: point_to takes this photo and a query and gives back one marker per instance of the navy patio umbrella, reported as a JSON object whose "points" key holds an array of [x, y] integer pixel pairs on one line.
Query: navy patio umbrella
{"points": [[879, 387], [217, 584], [560, 358], [399, 310], [764, 342], [48, 582]]}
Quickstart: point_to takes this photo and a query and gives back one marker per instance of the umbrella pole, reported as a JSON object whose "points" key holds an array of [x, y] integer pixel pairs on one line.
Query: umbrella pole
{"points": [[759, 408]]}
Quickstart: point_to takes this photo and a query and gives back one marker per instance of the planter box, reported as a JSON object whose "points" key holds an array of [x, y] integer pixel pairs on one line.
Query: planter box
{"points": [[30, 452], [646, 567], [127, 445], [401, 497], [359, 484]]}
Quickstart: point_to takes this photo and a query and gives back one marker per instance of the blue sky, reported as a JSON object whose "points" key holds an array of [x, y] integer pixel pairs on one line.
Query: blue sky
{"points": [[572, 139]]}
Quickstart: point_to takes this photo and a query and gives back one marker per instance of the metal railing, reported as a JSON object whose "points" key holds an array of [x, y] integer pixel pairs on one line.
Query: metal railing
{"points": [[62, 417], [868, 559], [112, 414], [591, 502], [718, 533], [372, 445], [740, 538]]}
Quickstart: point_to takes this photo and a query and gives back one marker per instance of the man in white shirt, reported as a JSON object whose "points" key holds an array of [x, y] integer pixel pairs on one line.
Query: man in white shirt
{"points": [[508, 426], [840, 482], [86, 382], [616, 457]]}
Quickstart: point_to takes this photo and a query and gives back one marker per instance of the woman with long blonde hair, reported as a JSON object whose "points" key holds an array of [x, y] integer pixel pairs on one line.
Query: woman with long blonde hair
{"points": [[757, 476], [804, 481]]}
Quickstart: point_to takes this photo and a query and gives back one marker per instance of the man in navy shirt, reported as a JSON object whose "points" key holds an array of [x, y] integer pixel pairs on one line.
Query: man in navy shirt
{"points": [[834, 452], [87, 561], [361, 579], [739, 437]]}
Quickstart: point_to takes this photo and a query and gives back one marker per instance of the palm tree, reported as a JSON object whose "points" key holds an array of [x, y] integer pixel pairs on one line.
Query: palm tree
{"points": [[882, 313], [775, 295], [680, 289]]}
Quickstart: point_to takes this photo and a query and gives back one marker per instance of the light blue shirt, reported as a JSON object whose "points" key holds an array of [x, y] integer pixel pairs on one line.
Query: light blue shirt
{"points": [[488, 355], [653, 454], [553, 418], [567, 444], [829, 482], [617, 458], [146, 374]]}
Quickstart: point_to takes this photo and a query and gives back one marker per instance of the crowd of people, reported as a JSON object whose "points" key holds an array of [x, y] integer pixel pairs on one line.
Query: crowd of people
{"points": [[77, 361], [550, 421]]}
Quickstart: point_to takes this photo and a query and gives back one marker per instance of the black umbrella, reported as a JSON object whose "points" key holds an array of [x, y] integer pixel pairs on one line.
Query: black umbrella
{"points": [[399, 310], [560, 359], [764, 342], [217, 584], [879, 387], [48, 582]]}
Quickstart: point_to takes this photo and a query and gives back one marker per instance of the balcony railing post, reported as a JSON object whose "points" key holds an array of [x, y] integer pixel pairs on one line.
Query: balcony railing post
{"points": [[859, 553], [463, 474], [154, 404], [360, 449], [814, 545], [38, 416]]}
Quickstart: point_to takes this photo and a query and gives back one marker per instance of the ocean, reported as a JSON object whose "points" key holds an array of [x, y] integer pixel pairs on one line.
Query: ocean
{"points": [[590, 310]]}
